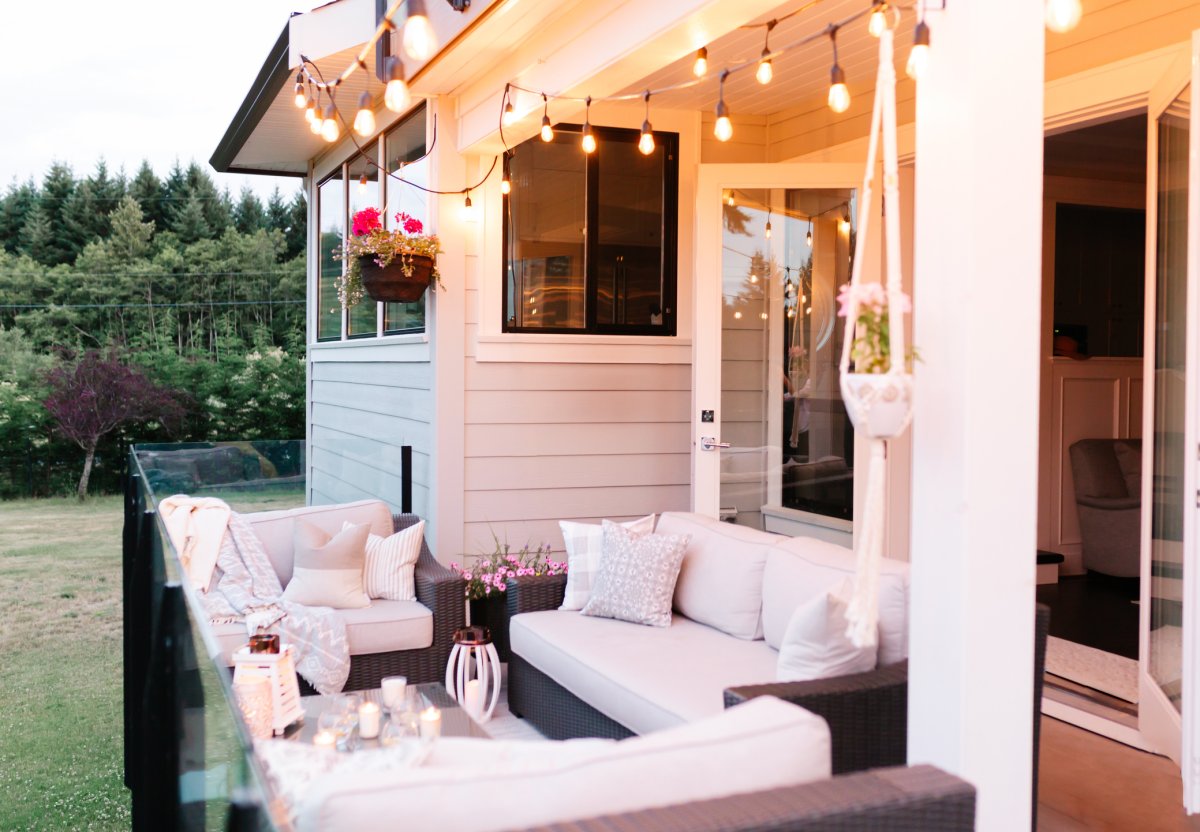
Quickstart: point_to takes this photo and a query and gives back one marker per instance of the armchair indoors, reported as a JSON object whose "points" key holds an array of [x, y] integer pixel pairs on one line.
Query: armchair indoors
{"points": [[1108, 476]]}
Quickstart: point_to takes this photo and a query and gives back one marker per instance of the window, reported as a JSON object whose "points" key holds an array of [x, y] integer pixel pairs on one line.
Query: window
{"points": [[359, 183], [590, 239]]}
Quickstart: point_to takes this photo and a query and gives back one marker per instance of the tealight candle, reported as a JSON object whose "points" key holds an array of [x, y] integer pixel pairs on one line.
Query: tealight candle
{"points": [[431, 723], [368, 720], [394, 688], [325, 739], [473, 698]]}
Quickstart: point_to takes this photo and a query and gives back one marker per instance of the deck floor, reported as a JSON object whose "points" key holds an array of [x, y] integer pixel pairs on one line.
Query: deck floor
{"points": [[1090, 782]]}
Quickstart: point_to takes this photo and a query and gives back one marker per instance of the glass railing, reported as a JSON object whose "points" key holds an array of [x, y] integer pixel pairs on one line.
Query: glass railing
{"points": [[189, 759]]}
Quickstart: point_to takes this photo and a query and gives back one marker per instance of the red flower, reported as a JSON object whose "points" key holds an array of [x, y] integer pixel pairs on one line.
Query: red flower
{"points": [[411, 225], [366, 221]]}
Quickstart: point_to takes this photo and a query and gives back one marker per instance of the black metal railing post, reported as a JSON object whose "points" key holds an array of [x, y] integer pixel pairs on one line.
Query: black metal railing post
{"points": [[162, 714], [406, 478]]}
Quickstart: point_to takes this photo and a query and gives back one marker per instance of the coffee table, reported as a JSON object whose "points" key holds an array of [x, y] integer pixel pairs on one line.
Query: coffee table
{"points": [[455, 721]]}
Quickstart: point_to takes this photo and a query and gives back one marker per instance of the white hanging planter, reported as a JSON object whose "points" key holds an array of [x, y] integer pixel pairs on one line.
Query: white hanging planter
{"points": [[879, 404]]}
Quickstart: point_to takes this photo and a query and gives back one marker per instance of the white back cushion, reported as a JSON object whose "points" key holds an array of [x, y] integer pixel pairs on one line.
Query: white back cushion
{"points": [[816, 646], [471, 785], [720, 583], [274, 528], [801, 568]]}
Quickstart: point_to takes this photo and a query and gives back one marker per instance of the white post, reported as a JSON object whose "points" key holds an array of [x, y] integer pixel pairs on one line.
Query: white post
{"points": [[975, 435]]}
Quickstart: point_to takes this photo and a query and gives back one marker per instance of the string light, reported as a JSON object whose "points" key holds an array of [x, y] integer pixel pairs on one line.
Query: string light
{"points": [[1063, 15], [646, 142], [469, 212], [510, 114], [589, 139], [700, 65], [839, 94], [329, 126], [918, 58], [419, 40], [547, 130], [878, 20], [396, 95], [505, 180], [723, 129], [364, 119], [808, 236], [767, 232], [310, 110], [765, 72], [301, 96], [362, 184], [729, 200]]}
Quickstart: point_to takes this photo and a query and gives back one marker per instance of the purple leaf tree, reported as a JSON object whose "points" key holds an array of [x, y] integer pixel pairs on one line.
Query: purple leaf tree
{"points": [[99, 394]]}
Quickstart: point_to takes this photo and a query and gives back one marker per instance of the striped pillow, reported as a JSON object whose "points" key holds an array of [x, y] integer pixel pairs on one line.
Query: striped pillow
{"points": [[392, 562]]}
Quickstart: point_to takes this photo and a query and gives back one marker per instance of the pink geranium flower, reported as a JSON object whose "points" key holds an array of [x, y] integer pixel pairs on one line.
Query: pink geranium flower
{"points": [[365, 221], [410, 224]]}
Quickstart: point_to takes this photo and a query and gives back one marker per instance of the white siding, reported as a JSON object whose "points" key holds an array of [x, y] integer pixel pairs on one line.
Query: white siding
{"points": [[362, 412]]}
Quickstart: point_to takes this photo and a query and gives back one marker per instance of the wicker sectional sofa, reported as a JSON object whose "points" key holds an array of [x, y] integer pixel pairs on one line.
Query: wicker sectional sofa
{"points": [[407, 638]]}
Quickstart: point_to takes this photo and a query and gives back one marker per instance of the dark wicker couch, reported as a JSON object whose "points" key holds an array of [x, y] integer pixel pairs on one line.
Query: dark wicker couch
{"points": [[442, 592]]}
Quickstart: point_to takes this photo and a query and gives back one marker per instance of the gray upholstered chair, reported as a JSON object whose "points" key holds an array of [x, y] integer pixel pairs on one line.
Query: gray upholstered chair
{"points": [[1108, 488]]}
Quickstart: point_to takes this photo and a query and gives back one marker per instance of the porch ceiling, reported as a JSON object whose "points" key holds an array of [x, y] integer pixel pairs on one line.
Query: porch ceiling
{"points": [[799, 74]]}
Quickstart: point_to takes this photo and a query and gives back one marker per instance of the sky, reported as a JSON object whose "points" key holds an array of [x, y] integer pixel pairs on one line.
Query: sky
{"points": [[130, 79]]}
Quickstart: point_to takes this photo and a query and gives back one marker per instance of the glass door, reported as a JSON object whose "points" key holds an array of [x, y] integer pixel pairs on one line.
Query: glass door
{"points": [[774, 447], [1166, 712]]}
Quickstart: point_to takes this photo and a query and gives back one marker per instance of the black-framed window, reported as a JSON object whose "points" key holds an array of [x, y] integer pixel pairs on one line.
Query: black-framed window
{"points": [[590, 240]]}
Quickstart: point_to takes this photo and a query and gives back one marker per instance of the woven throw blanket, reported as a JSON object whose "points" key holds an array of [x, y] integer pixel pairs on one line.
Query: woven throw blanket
{"points": [[246, 589]]}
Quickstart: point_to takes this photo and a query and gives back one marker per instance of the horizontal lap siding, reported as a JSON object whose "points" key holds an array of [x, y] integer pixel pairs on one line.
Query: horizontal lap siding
{"points": [[362, 413], [551, 442]]}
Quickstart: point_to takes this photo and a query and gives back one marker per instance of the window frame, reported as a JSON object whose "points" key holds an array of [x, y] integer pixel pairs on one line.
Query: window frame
{"points": [[668, 144]]}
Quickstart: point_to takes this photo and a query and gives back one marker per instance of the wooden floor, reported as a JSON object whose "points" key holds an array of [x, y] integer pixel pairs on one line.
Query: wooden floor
{"points": [[1090, 782]]}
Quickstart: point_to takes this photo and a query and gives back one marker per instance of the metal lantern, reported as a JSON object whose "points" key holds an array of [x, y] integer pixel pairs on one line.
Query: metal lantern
{"points": [[474, 660]]}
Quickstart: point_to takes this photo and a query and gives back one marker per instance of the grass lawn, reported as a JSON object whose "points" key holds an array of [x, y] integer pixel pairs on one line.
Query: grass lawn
{"points": [[61, 744]]}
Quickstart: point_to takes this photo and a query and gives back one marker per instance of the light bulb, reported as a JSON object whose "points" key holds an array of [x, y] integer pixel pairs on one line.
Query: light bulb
{"points": [[763, 315], [700, 65], [918, 58], [301, 97], [469, 212], [765, 72], [877, 22], [310, 111], [419, 40], [753, 278], [791, 313], [839, 95], [510, 115], [737, 315], [767, 233], [396, 96], [547, 130], [315, 124], [646, 142], [1063, 15], [364, 119], [808, 237], [589, 139], [362, 184], [329, 127], [723, 129], [506, 185], [729, 200]]}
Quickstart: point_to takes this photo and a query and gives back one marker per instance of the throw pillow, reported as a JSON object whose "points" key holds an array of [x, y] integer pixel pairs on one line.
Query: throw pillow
{"points": [[583, 543], [391, 563], [815, 645], [329, 570], [637, 574]]}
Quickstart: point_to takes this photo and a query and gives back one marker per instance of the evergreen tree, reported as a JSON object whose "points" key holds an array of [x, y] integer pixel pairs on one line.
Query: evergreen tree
{"points": [[15, 206], [57, 188], [189, 222], [106, 192], [81, 221], [130, 237], [149, 192], [248, 215], [36, 239], [217, 206], [277, 212], [296, 233]]}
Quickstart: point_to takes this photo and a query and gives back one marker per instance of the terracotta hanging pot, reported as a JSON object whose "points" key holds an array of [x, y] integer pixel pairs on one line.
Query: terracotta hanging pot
{"points": [[403, 280], [879, 404]]}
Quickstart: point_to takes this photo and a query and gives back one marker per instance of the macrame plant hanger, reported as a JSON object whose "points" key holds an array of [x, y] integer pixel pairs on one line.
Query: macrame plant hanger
{"points": [[879, 404]]}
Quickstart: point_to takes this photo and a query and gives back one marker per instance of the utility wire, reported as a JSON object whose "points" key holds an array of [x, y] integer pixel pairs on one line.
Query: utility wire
{"points": [[188, 305]]}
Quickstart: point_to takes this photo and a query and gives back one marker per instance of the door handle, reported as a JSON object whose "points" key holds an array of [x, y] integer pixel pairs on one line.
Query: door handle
{"points": [[710, 443]]}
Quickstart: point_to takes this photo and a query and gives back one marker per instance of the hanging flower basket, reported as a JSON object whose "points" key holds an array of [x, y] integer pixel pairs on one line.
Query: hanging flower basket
{"points": [[403, 280], [879, 404]]}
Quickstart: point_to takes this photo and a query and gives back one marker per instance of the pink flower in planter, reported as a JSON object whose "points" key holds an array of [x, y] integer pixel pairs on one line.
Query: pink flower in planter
{"points": [[466, 576], [411, 225], [366, 221]]}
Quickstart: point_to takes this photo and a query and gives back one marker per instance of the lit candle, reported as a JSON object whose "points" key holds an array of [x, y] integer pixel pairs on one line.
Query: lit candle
{"points": [[472, 696], [431, 723], [325, 739], [394, 688], [368, 720]]}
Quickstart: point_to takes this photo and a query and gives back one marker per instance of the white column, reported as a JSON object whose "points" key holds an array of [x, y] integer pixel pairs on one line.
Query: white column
{"points": [[975, 438]]}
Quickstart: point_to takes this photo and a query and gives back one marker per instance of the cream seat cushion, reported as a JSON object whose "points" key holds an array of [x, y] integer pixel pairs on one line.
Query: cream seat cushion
{"points": [[646, 678], [383, 627], [471, 785]]}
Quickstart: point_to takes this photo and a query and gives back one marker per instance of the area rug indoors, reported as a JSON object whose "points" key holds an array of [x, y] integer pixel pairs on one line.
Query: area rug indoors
{"points": [[1106, 672]]}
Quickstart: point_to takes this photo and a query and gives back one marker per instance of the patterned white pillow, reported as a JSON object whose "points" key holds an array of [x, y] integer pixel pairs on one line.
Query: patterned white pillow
{"points": [[637, 574], [390, 569], [583, 542]]}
